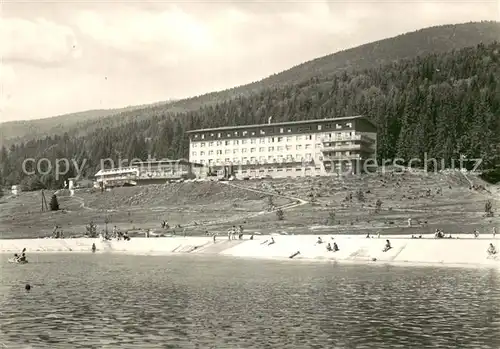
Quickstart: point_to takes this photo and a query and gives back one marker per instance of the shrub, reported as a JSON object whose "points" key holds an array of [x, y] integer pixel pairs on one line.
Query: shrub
{"points": [[54, 204], [280, 214]]}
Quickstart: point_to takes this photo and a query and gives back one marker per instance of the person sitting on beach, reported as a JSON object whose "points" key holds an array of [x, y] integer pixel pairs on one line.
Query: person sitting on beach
{"points": [[387, 246], [335, 247], [368, 235], [328, 247], [439, 234], [492, 250], [271, 242], [319, 240]]}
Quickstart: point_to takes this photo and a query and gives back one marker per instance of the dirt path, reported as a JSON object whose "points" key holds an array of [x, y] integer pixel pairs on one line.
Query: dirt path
{"points": [[82, 203], [287, 206], [492, 191], [296, 202]]}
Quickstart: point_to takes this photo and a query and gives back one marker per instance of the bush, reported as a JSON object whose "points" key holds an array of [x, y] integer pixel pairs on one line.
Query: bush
{"points": [[91, 230], [360, 195], [280, 214], [488, 208], [331, 218], [54, 204]]}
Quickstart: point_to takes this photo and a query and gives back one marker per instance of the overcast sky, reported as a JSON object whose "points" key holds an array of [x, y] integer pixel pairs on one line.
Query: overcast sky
{"points": [[60, 57]]}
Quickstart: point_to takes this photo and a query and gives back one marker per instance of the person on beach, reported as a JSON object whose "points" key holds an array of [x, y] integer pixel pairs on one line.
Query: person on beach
{"points": [[329, 247], [335, 247], [492, 250], [271, 242], [320, 241], [476, 233], [387, 246], [494, 232]]}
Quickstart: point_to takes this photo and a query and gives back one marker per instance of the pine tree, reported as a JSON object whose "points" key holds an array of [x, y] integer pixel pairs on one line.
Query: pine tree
{"points": [[54, 204]]}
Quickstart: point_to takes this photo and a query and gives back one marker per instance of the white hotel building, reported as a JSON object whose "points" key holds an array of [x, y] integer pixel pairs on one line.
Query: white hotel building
{"points": [[286, 149]]}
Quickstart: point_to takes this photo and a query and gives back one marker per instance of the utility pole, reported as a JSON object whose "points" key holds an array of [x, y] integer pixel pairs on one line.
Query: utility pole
{"points": [[44, 202], [106, 221]]}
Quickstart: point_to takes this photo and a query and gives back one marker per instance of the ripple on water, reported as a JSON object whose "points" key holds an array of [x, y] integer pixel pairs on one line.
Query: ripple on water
{"points": [[113, 301]]}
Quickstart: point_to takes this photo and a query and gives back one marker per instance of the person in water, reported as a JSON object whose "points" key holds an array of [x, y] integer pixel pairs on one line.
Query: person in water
{"points": [[22, 258], [492, 250]]}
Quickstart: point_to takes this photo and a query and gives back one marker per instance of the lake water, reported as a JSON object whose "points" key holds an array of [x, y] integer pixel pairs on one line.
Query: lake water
{"points": [[118, 301]]}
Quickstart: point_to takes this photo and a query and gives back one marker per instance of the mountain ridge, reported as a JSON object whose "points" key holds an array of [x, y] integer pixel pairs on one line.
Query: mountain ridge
{"points": [[420, 42]]}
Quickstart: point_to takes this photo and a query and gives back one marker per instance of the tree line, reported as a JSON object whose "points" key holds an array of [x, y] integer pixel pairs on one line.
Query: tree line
{"points": [[445, 105]]}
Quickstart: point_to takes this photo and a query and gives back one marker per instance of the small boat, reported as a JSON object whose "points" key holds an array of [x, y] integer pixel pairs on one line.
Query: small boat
{"points": [[15, 260]]}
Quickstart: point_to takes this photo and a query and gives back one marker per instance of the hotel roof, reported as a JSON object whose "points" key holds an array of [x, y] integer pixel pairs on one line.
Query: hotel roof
{"points": [[287, 123]]}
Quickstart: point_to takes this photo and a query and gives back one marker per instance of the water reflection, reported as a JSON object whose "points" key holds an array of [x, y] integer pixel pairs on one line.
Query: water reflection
{"points": [[110, 301]]}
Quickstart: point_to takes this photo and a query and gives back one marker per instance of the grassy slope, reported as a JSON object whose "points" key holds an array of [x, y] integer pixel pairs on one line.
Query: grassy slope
{"points": [[216, 207], [425, 41]]}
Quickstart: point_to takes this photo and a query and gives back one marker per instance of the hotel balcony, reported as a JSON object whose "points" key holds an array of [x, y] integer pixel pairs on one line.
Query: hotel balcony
{"points": [[347, 138], [348, 147], [342, 157]]}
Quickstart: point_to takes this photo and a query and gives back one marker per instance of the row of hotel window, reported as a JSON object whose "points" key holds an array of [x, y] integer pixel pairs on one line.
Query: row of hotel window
{"points": [[254, 172], [282, 130], [339, 136], [270, 159], [253, 150]]}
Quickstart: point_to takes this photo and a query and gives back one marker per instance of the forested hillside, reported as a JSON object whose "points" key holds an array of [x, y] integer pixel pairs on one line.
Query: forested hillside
{"points": [[426, 41], [445, 105], [17, 131]]}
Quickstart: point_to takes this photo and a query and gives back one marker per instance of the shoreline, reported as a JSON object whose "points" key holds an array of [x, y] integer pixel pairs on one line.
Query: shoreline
{"points": [[464, 251]]}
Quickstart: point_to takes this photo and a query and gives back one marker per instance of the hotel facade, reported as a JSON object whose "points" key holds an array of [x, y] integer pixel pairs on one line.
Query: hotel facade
{"points": [[148, 172], [286, 149]]}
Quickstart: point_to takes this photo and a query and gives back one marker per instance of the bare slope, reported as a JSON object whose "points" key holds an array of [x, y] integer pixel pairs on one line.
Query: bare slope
{"points": [[187, 204], [214, 206], [442, 200]]}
